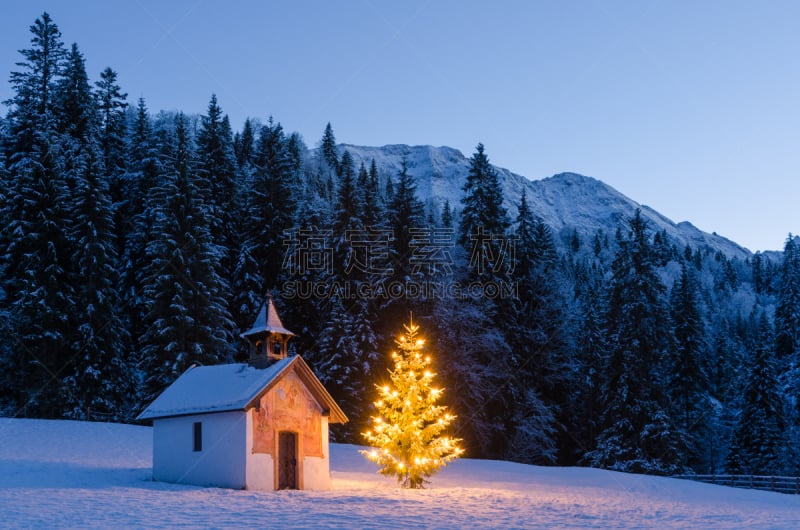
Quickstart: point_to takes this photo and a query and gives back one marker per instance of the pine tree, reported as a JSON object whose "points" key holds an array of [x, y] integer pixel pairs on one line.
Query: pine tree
{"points": [[96, 380], [483, 201], [313, 216], [5, 183], [349, 205], [34, 85], [267, 195], [74, 100], [99, 381], [347, 348], [217, 170], [344, 357], [447, 215], [405, 214], [408, 432], [472, 353], [787, 341], [271, 203], [140, 185], [328, 149], [247, 284], [638, 433], [482, 235], [758, 272], [534, 366], [757, 443], [296, 149], [373, 185], [245, 146], [529, 254], [35, 259], [388, 192], [787, 312], [590, 360], [187, 319], [690, 377], [690, 381], [111, 106], [367, 186], [471, 327], [534, 430]]}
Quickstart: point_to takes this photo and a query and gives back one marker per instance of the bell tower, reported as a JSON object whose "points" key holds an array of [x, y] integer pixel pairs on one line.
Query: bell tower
{"points": [[268, 338]]}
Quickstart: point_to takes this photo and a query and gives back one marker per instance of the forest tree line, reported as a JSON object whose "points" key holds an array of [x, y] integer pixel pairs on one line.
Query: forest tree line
{"points": [[134, 245]]}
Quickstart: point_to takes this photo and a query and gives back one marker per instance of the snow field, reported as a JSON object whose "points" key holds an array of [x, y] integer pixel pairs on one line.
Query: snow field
{"points": [[92, 475]]}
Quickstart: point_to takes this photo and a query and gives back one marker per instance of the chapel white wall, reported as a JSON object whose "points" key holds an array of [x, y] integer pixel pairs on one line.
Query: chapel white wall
{"points": [[221, 462]]}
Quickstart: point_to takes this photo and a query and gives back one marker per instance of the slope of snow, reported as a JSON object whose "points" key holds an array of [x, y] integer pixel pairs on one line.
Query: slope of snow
{"points": [[92, 475], [439, 172], [565, 201]]}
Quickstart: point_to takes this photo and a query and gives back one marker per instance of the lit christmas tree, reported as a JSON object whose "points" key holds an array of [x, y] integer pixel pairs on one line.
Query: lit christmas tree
{"points": [[408, 432]]}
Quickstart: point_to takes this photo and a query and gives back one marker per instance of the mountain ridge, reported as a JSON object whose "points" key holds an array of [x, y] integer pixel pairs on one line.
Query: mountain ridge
{"points": [[566, 201]]}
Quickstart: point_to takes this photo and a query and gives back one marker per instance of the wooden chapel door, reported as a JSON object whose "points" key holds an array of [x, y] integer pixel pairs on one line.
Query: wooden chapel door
{"points": [[287, 460]]}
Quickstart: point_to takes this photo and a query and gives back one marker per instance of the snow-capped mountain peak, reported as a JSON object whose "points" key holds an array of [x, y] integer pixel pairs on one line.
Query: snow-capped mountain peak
{"points": [[567, 201]]}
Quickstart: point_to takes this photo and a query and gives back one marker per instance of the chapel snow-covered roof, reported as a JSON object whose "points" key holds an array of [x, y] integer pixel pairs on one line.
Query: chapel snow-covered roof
{"points": [[267, 321], [232, 387]]}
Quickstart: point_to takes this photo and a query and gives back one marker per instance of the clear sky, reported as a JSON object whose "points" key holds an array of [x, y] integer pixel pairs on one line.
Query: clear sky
{"points": [[690, 107]]}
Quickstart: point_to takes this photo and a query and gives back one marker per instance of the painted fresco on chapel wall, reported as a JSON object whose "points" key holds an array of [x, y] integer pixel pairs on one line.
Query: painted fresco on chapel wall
{"points": [[288, 407]]}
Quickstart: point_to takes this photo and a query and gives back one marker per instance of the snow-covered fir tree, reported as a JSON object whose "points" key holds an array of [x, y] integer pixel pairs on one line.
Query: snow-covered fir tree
{"points": [[98, 381], [36, 257], [787, 347], [689, 383], [328, 148], [758, 439], [532, 325], [144, 168], [187, 319], [217, 167], [111, 106], [271, 202], [348, 343], [405, 215], [639, 434], [483, 210]]}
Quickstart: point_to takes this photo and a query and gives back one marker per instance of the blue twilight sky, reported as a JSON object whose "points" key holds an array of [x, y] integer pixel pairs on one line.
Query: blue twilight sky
{"points": [[690, 107]]}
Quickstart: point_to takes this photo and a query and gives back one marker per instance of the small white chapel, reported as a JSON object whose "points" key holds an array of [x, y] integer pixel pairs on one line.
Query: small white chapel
{"points": [[260, 425]]}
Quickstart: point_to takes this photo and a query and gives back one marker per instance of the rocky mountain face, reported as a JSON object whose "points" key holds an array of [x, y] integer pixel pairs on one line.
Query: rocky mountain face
{"points": [[567, 202]]}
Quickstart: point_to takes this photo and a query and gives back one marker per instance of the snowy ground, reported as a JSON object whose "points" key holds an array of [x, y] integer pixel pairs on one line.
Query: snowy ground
{"points": [[73, 474]]}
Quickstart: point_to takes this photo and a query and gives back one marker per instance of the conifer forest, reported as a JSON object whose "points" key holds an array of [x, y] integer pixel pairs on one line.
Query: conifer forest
{"points": [[135, 243]]}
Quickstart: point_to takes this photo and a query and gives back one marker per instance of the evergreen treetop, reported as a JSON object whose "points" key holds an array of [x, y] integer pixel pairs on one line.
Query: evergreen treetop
{"points": [[787, 312], [328, 148], [483, 200]]}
